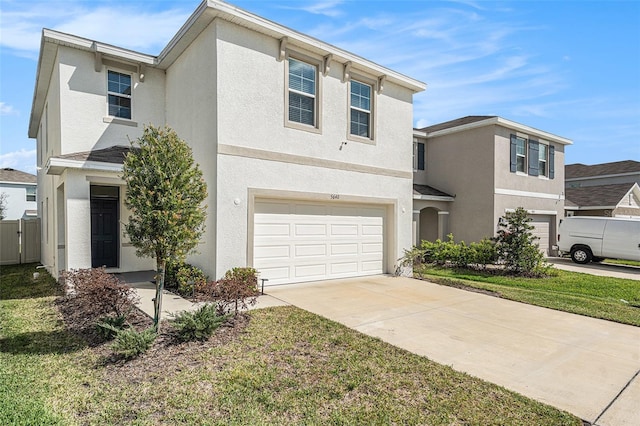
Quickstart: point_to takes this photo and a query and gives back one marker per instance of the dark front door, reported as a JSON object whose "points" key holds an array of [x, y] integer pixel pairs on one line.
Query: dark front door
{"points": [[104, 232]]}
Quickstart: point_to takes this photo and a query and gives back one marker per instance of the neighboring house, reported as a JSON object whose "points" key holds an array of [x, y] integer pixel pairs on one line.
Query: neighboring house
{"points": [[608, 189], [469, 172], [20, 193], [306, 148]]}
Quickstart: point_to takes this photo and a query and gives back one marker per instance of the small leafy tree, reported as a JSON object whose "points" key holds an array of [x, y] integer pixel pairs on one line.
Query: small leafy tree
{"points": [[516, 245], [165, 192], [3, 205]]}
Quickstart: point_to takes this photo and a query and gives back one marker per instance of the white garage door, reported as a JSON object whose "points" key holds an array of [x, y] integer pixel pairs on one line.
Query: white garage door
{"points": [[304, 241], [541, 230]]}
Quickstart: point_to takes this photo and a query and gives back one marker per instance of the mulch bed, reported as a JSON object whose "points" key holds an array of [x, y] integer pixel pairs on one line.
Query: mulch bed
{"points": [[167, 355]]}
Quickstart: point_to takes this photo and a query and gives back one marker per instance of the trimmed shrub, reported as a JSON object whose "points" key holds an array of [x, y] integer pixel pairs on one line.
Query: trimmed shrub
{"points": [[237, 290], [108, 327], [516, 245], [99, 293], [199, 324], [184, 278], [130, 343]]}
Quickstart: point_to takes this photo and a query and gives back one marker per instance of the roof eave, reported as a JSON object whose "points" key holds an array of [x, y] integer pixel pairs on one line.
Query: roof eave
{"points": [[49, 43], [56, 166], [209, 10], [501, 122]]}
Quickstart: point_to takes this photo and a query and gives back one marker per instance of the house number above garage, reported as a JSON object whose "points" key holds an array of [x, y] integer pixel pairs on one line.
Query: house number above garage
{"points": [[335, 196]]}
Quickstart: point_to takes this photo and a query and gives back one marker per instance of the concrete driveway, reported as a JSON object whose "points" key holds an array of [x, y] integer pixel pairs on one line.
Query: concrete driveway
{"points": [[600, 269], [586, 366]]}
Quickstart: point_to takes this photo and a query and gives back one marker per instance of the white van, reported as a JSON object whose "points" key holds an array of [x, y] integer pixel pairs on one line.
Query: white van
{"points": [[596, 238]]}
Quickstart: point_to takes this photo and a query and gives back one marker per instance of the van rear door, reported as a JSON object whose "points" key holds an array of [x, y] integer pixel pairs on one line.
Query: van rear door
{"points": [[622, 240]]}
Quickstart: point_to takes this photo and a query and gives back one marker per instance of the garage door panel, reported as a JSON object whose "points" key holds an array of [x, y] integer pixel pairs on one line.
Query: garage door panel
{"points": [[372, 248], [305, 229], [298, 242], [308, 271], [344, 268], [272, 229], [372, 230], [344, 249], [274, 274], [272, 252], [306, 250], [344, 229]]}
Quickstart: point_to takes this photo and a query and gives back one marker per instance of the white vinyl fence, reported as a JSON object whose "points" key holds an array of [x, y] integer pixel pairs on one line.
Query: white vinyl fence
{"points": [[19, 241]]}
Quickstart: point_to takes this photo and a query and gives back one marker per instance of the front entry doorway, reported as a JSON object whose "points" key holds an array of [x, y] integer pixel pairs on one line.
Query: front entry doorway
{"points": [[104, 226]]}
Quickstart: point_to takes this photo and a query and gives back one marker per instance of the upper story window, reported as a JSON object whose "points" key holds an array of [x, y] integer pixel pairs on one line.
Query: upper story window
{"points": [[532, 157], [31, 193], [521, 155], [542, 159], [119, 94], [418, 155], [360, 109], [302, 92]]}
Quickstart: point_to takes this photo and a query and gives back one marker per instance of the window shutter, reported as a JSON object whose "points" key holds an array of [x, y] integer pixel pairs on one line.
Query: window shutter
{"points": [[420, 156], [513, 153], [552, 168], [533, 158]]}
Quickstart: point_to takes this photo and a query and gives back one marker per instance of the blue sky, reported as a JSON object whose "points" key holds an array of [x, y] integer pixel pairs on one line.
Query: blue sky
{"points": [[571, 68]]}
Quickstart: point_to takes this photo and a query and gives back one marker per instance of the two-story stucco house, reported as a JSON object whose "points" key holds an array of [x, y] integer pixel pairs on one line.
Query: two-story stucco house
{"points": [[305, 147], [19, 192], [470, 171]]}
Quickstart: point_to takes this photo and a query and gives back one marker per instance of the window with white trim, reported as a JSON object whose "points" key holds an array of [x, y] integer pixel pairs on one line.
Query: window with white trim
{"points": [[418, 155], [302, 97], [31, 193], [532, 157], [521, 155], [119, 94], [542, 160], [360, 109]]}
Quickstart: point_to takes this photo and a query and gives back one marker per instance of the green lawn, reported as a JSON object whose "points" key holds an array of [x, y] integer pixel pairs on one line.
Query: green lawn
{"points": [[287, 366], [614, 299]]}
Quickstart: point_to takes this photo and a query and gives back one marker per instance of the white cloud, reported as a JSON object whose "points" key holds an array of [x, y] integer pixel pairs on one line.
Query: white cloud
{"points": [[23, 159], [131, 26], [327, 8], [6, 109]]}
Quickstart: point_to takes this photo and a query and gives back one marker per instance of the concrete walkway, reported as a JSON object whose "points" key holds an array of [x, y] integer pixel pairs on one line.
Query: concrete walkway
{"points": [[600, 269], [583, 365], [173, 303]]}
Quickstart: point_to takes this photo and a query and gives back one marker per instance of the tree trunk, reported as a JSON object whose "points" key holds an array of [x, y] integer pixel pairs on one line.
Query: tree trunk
{"points": [[157, 302]]}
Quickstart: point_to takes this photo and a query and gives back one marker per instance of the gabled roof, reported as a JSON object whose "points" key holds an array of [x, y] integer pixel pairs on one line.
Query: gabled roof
{"points": [[108, 159], [604, 196], [476, 121], [572, 171], [205, 14], [113, 154], [426, 192], [457, 122], [9, 175]]}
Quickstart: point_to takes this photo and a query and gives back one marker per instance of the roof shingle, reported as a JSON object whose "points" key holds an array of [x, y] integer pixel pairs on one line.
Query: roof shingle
{"points": [[578, 170], [599, 195], [8, 174], [457, 122]]}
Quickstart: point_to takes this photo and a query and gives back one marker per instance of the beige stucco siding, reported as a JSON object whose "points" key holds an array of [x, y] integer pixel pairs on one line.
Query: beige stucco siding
{"points": [[253, 110], [461, 164], [84, 105], [192, 110], [275, 179]]}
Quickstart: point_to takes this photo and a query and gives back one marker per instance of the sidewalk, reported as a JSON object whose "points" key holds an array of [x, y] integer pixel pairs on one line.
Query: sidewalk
{"points": [[173, 303], [600, 269]]}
